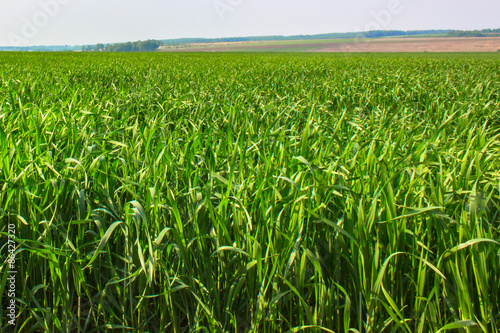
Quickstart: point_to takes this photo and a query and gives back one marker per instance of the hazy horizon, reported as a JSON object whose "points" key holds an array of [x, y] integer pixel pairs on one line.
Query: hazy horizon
{"points": [[74, 22]]}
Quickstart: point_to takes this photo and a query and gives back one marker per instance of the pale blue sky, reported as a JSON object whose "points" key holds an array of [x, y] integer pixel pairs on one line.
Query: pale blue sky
{"points": [[59, 22]]}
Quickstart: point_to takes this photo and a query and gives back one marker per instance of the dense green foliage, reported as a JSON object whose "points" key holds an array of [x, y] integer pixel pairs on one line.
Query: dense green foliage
{"points": [[138, 46], [474, 33], [457, 33], [237, 192]]}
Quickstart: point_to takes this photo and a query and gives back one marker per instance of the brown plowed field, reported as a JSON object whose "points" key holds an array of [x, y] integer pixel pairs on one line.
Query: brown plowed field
{"points": [[482, 44], [441, 44]]}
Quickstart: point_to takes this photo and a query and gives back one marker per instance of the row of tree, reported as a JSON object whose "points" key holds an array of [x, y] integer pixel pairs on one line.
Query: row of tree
{"points": [[139, 46], [456, 33], [474, 33]]}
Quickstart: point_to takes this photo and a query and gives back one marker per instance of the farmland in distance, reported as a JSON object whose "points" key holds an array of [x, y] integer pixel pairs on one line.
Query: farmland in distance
{"points": [[388, 44], [251, 192]]}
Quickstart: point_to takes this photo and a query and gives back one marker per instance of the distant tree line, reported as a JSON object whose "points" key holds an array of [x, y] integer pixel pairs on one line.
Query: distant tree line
{"points": [[474, 33], [41, 48], [401, 33], [457, 33], [139, 46]]}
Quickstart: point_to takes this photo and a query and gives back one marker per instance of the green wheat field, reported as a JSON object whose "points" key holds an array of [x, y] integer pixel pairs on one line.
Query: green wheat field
{"points": [[251, 192]]}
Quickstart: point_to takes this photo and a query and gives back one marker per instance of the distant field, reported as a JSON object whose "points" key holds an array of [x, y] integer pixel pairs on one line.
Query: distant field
{"points": [[414, 44], [196, 192]]}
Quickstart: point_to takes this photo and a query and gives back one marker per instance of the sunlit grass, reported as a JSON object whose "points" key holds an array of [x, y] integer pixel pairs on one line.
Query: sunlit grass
{"points": [[265, 193]]}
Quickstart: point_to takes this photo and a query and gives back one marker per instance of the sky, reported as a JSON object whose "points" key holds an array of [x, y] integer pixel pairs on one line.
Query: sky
{"points": [[78, 22]]}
